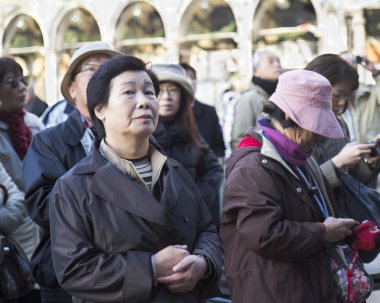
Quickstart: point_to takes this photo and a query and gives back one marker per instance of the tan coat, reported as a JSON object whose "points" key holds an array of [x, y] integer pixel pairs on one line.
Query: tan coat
{"points": [[366, 112], [247, 110]]}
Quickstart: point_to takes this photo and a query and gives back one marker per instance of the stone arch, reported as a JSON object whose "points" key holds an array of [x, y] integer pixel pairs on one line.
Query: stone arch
{"points": [[140, 31], [288, 27], [23, 39]]}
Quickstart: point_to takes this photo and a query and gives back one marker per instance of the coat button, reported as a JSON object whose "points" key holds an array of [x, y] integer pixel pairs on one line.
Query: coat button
{"points": [[299, 190], [186, 218], [265, 161]]}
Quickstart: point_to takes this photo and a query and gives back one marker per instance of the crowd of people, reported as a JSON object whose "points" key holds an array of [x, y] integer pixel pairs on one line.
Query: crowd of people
{"points": [[121, 193]]}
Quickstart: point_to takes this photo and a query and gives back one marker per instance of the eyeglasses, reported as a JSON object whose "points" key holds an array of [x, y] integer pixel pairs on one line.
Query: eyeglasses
{"points": [[172, 90], [14, 81], [87, 68]]}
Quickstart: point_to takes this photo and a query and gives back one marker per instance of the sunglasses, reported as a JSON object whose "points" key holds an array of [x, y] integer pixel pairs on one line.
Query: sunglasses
{"points": [[14, 81]]}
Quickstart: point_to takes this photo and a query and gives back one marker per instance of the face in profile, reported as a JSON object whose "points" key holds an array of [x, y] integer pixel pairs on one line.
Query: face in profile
{"points": [[269, 68], [169, 100], [12, 92], [132, 109], [341, 94]]}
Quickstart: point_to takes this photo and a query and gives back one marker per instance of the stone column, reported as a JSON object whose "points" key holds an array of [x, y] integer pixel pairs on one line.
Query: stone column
{"points": [[358, 30], [51, 76]]}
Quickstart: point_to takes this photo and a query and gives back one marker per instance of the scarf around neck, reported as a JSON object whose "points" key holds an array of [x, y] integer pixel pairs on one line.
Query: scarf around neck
{"points": [[288, 150], [268, 86], [18, 131]]}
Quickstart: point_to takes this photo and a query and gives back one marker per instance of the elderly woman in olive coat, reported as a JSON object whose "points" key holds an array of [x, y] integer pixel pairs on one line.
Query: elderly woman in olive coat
{"points": [[127, 223]]}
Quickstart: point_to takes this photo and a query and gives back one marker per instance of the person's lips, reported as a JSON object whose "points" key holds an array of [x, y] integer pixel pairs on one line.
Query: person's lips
{"points": [[145, 116], [166, 106]]}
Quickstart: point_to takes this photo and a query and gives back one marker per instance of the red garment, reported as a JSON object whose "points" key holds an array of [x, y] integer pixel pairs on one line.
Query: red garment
{"points": [[19, 132], [247, 142]]}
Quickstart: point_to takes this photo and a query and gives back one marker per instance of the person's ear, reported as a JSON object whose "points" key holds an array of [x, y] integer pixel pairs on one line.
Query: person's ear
{"points": [[99, 113], [73, 90]]}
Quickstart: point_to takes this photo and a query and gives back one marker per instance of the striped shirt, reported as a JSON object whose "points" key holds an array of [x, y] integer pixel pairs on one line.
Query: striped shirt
{"points": [[144, 168]]}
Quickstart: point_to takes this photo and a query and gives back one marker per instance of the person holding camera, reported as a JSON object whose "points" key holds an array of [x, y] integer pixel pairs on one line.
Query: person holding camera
{"points": [[341, 155], [363, 113], [347, 166]]}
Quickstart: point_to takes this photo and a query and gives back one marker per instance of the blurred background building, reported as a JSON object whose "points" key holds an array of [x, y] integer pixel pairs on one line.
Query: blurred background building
{"points": [[217, 37]]}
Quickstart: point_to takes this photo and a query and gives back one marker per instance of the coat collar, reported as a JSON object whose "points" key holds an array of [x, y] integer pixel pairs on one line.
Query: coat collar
{"points": [[111, 184], [268, 151], [73, 128]]}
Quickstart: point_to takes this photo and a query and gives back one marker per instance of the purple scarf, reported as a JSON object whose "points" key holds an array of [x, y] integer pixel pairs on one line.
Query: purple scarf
{"points": [[289, 150]]}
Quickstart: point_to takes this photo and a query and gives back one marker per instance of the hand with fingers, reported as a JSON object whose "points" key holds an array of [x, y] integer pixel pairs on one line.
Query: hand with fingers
{"points": [[167, 258], [337, 228], [351, 154], [186, 274]]}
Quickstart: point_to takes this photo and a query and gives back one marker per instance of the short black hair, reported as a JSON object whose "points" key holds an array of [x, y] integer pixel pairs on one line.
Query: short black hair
{"points": [[98, 88], [8, 65]]}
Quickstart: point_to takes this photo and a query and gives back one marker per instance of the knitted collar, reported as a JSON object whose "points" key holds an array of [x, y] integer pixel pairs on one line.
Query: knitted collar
{"points": [[268, 86], [289, 150]]}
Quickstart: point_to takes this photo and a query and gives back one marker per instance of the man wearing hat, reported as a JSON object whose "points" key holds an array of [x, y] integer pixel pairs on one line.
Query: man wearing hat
{"points": [[54, 151]]}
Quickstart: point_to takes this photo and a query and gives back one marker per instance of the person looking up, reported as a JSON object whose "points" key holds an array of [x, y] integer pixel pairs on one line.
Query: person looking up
{"points": [[55, 151], [128, 224]]}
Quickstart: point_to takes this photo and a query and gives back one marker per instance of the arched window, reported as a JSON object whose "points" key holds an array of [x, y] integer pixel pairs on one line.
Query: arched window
{"points": [[208, 43], [288, 26], [23, 40], [140, 32], [208, 24], [77, 27]]}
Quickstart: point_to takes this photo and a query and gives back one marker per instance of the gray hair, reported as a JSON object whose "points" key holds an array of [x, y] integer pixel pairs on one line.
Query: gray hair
{"points": [[256, 58]]}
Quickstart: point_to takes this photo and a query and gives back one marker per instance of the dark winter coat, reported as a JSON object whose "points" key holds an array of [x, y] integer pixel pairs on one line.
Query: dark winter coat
{"points": [[208, 124], [274, 245], [105, 227], [200, 163], [51, 154]]}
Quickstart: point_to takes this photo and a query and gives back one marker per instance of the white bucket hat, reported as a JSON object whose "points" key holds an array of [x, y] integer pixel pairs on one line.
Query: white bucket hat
{"points": [[173, 73], [92, 48]]}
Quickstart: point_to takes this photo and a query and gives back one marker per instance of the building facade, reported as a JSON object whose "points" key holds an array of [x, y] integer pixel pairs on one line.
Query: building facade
{"points": [[217, 37]]}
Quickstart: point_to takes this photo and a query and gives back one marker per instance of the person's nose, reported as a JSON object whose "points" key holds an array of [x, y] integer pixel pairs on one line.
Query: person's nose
{"points": [[164, 94], [142, 100], [21, 86]]}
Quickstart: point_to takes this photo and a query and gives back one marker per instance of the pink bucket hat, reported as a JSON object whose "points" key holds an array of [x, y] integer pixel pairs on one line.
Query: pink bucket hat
{"points": [[305, 96]]}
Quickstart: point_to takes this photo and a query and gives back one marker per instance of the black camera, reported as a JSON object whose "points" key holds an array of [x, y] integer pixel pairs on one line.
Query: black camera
{"points": [[359, 59], [375, 151]]}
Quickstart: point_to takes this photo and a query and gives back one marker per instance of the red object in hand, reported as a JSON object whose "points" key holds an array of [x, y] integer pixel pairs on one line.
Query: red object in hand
{"points": [[365, 236]]}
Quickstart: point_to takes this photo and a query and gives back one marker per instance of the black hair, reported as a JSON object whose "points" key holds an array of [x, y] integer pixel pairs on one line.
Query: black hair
{"points": [[335, 69], [8, 65], [187, 67], [276, 113], [98, 88]]}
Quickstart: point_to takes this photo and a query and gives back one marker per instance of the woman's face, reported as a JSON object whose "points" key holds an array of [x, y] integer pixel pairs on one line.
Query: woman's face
{"points": [[302, 137], [132, 109], [169, 100], [12, 92], [341, 94]]}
